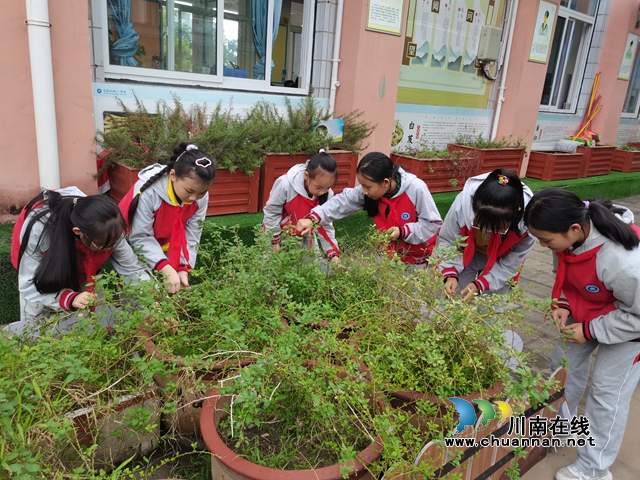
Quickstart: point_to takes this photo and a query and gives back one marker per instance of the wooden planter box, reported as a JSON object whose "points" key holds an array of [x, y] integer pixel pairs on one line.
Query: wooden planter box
{"points": [[234, 192], [550, 166], [634, 145], [278, 164], [596, 161], [488, 159], [437, 173], [626, 161]]}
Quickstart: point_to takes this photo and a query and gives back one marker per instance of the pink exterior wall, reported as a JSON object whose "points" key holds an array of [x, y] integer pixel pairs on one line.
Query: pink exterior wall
{"points": [[72, 80], [369, 72], [613, 91], [525, 81]]}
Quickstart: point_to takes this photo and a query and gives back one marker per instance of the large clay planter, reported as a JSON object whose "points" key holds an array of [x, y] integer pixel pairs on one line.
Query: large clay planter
{"points": [[626, 161], [278, 164], [226, 465], [488, 159], [116, 440], [234, 192], [549, 166], [596, 161], [435, 172]]}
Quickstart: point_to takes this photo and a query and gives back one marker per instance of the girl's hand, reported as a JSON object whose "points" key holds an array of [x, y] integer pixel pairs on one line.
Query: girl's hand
{"points": [[184, 279], [450, 287], [560, 316], [395, 233], [82, 301], [172, 279], [469, 293], [573, 333], [335, 259], [275, 248], [304, 226]]}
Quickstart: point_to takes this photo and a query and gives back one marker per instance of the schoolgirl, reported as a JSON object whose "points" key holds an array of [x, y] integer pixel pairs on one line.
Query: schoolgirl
{"points": [[59, 243], [397, 201], [597, 293], [489, 213], [294, 194], [164, 210]]}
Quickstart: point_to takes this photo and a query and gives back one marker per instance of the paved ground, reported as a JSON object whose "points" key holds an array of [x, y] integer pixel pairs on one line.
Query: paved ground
{"points": [[538, 272]]}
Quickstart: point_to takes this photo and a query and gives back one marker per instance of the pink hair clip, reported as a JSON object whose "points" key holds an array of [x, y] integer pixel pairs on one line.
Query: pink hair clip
{"points": [[203, 162], [503, 180]]}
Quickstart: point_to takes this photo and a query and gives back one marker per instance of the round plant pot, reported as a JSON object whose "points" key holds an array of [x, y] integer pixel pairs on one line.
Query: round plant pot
{"points": [[227, 465]]}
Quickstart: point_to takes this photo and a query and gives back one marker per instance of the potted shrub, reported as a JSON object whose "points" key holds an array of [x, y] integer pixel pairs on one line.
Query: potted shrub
{"points": [[596, 160], [550, 166], [626, 159], [441, 170], [504, 153], [141, 139], [292, 139], [75, 402]]}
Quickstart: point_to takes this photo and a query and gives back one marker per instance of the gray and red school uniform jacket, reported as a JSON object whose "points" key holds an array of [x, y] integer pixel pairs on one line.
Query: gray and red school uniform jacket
{"points": [[289, 202], [165, 230], [89, 262], [504, 254], [412, 209], [599, 282]]}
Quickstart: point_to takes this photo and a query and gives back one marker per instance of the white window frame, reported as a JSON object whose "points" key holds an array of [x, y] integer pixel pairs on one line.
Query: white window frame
{"points": [[635, 71], [581, 60], [218, 81]]}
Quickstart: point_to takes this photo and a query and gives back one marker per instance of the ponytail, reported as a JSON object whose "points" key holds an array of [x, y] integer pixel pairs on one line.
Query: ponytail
{"points": [[324, 162], [376, 166], [97, 216], [555, 210], [190, 160]]}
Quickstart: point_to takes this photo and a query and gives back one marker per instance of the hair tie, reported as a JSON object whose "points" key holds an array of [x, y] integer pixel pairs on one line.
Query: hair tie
{"points": [[203, 162], [503, 180], [191, 146], [586, 204], [322, 150], [75, 201]]}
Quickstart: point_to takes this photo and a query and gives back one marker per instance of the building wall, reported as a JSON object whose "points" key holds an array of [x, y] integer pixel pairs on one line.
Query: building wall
{"points": [[72, 81]]}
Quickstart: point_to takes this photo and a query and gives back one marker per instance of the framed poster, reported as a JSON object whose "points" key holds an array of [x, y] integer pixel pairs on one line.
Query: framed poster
{"points": [[543, 31], [628, 56], [385, 16]]}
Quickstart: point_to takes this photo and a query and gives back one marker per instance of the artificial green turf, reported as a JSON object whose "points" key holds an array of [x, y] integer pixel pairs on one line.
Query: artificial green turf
{"points": [[348, 230]]}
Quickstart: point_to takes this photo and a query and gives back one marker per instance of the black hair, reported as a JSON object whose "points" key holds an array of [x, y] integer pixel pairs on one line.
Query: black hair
{"points": [[499, 199], [376, 166], [322, 161], [546, 14], [97, 216], [191, 161], [556, 209]]}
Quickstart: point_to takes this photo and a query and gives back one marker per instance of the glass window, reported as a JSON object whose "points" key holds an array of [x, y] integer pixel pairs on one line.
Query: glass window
{"points": [[632, 99], [182, 36], [588, 7], [566, 62]]}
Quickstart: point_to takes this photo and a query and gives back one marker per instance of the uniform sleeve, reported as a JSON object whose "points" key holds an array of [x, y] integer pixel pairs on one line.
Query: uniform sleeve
{"points": [[428, 222], [193, 232], [506, 267], [619, 271], [451, 267], [350, 201], [141, 236], [26, 270], [327, 237], [274, 207], [126, 263]]}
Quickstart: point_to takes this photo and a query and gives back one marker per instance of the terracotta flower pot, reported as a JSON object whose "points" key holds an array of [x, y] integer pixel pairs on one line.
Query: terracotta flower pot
{"points": [[227, 465], [116, 440], [550, 166], [488, 159], [439, 174]]}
